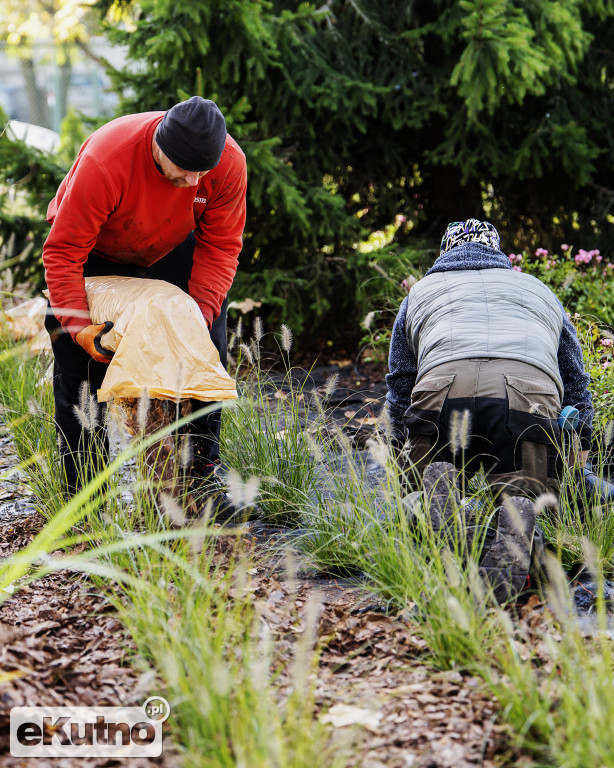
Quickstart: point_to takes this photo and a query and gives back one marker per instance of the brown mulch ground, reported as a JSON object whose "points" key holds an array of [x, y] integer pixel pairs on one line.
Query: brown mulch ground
{"points": [[371, 677], [60, 639], [61, 644], [65, 648]]}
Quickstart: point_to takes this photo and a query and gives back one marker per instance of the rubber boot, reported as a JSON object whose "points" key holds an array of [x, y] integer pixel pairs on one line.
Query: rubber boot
{"points": [[506, 561]]}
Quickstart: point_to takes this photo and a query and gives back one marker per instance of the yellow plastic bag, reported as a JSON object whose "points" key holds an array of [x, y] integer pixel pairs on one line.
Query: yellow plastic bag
{"points": [[26, 322], [160, 340]]}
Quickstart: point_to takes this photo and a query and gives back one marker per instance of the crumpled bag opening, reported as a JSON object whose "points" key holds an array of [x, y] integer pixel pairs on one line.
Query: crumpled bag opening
{"points": [[160, 341]]}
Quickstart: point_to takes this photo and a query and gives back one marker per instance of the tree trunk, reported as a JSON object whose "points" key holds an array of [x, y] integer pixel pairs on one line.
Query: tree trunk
{"points": [[61, 88], [37, 97]]}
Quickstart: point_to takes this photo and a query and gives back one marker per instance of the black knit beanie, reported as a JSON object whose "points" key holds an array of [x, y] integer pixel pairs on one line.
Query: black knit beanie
{"points": [[192, 134]]}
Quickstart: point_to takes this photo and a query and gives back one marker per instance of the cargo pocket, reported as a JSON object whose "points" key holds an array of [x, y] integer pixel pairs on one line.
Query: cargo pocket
{"points": [[428, 397], [531, 420], [532, 409], [421, 419]]}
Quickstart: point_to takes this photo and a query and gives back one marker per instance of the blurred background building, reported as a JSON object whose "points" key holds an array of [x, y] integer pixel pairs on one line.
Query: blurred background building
{"points": [[37, 90]]}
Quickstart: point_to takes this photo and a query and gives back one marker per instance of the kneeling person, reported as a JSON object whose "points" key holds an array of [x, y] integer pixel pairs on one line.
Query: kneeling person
{"points": [[482, 359]]}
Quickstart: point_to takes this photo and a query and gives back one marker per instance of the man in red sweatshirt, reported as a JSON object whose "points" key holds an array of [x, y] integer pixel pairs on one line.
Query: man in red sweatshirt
{"points": [[158, 195]]}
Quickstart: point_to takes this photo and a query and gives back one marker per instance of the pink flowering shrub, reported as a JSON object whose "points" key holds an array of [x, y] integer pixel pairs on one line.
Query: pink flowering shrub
{"points": [[585, 257], [582, 279], [598, 349], [584, 283]]}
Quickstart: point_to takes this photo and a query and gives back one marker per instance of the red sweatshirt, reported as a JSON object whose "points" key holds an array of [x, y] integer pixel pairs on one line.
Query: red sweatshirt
{"points": [[115, 202]]}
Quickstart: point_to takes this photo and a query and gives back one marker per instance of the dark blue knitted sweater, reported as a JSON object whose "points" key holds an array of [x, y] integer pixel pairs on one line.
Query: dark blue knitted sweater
{"points": [[403, 365]]}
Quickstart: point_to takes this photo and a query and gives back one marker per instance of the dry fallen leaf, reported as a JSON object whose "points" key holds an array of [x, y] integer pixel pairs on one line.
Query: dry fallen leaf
{"points": [[341, 363], [341, 715], [245, 306]]}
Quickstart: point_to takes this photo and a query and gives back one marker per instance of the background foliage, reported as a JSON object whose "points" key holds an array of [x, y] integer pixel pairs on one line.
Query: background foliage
{"points": [[355, 112]]}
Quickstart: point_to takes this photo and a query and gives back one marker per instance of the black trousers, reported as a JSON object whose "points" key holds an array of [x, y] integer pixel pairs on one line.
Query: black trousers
{"points": [[84, 450]]}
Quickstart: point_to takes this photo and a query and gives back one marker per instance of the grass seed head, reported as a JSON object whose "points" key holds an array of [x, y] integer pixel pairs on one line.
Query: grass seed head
{"points": [[591, 557], [303, 659], [185, 452], [235, 487], [260, 664], [558, 593], [180, 381], [314, 447], [247, 353], [514, 514], [143, 410], [367, 320], [453, 572], [34, 408], [116, 426], [331, 385], [172, 509], [8, 281], [87, 410], [545, 501], [286, 338], [258, 333], [250, 490], [378, 450], [384, 422], [476, 585], [458, 613], [459, 431], [291, 569], [221, 679], [242, 492], [342, 440], [464, 430], [255, 347]]}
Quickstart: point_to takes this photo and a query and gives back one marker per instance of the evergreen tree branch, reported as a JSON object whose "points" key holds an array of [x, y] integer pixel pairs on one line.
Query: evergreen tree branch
{"points": [[599, 188]]}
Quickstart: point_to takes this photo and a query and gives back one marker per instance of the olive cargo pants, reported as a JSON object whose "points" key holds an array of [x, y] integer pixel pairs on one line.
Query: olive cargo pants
{"points": [[499, 414]]}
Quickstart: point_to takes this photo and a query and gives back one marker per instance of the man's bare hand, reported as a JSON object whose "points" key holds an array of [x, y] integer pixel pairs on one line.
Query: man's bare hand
{"points": [[89, 339]]}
